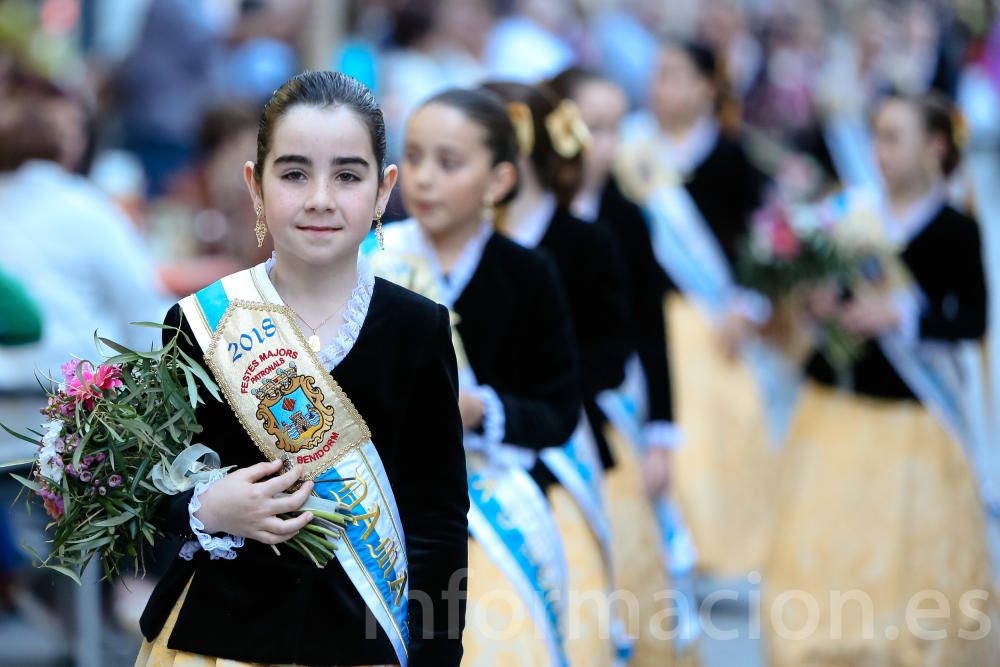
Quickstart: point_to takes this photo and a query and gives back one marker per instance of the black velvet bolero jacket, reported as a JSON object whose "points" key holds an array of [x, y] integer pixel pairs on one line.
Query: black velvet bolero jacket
{"points": [[259, 607]]}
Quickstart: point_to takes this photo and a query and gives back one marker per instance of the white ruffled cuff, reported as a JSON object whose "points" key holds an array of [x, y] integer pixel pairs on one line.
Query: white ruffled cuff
{"points": [[662, 435], [752, 305], [494, 418], [222, 546]]}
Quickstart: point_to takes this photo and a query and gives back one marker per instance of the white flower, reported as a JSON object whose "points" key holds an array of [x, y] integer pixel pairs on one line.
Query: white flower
{"points": [[805, 220], [53, 429], [50, 463]]}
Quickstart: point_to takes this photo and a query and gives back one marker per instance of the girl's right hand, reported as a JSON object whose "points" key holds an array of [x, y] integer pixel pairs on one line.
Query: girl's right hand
{"points": [[243, 503], [823, 302]]}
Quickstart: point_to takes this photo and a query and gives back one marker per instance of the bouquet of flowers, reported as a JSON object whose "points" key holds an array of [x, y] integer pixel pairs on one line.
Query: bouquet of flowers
{"points": [[791, 248], [117, 440]]}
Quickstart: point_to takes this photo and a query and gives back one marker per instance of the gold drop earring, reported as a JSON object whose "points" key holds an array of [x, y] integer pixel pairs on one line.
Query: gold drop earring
{"points": [[260, 229], [378, 229], [489, 210]]}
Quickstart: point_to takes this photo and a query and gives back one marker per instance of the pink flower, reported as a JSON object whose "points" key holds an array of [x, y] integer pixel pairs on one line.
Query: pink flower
{"points": [[69, 370], [784, 242], [90, 384], [52, 502], [115, 481]]}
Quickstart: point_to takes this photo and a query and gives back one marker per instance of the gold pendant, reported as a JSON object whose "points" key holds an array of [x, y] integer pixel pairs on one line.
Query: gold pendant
{"points": [[314, 343]]}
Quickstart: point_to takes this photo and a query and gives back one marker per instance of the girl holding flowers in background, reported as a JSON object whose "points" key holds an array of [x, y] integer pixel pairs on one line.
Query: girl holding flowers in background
{"points": [[879, 500]]}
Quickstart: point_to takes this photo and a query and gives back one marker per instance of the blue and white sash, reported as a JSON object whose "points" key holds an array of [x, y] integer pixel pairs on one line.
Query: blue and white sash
{"points": [[510, 518], [850, 143], [508, 514], [624, 409], [688, 251], [577, 466], [294, 410]]}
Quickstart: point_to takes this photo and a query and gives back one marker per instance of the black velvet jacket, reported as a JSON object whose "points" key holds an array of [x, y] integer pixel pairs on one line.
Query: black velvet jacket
{"points": [[259, 607], [727, 188], [647, 289], [945, 260], [515, 327], [593, 275]]}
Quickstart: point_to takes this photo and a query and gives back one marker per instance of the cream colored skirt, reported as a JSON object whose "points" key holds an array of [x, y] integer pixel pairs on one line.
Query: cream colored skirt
{"points": [[587, 634], [638, 568], [725, 471], [498, 629], [880, 558]]}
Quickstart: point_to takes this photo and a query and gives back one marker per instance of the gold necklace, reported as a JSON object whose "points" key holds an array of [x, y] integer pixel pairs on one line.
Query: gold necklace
{"points": [[314, 342]]}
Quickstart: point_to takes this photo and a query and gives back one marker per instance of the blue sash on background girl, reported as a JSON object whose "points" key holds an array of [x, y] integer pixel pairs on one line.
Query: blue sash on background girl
{"points": [[508, 516]]}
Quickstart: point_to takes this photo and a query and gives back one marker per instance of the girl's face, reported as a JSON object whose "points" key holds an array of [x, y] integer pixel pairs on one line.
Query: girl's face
{"points": [[679, 93], [906, 154], [448, 173], [320, 186], [603, 106]]}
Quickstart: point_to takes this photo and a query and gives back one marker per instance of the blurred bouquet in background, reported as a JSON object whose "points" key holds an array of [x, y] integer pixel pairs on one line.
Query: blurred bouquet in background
{"points": [[792, 249]]}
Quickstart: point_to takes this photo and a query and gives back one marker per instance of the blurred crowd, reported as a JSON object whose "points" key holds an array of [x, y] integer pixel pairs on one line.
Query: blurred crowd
{"points": [[124, 126]]}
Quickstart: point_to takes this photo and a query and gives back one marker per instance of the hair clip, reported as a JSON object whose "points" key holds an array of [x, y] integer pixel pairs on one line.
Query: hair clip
{"points": [[524, 126], [568, 132]]}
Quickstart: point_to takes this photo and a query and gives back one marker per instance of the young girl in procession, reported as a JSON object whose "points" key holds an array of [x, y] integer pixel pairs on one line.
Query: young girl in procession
{"points": [[348, 383], [688, 170], [881, 554], [518, 378], [641, 434], [553, 138]]}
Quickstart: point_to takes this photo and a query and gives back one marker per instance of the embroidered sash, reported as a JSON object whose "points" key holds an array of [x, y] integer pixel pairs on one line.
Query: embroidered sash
{"points": [[293, 409]]}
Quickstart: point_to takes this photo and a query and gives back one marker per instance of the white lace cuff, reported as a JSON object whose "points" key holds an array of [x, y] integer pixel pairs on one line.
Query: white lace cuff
{"points": [[494, 419], [662, 435], [223, 546]]}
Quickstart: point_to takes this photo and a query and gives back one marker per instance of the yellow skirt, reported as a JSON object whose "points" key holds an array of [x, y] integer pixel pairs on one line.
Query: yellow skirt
{"points": [[587, 634], [881, 530], [725, 470], [498, 630], [638, 569], [156, 654]]}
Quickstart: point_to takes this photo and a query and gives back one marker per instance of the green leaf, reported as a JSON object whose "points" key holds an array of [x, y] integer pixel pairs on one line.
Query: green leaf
{"points": [[66, 571], [206, 381], [122, 359], [191, 387], [19, 436], [140, 474], [17, 463], [34, 486], [125, 351], [116, 521]]}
